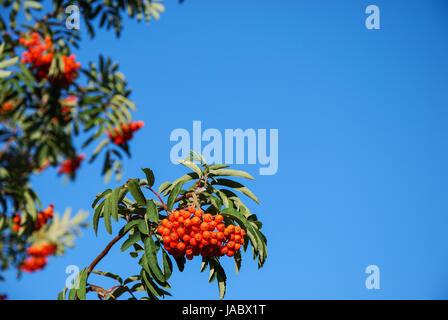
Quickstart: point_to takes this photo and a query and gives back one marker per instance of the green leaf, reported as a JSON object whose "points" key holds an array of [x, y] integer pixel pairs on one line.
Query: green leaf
{"points": [[109, 275], [30, 207], [151, 211], [113, 203], [131, 279], [100, 196], [62, 294], [193, 166], [134, 188], [204, 264], [167, 266], [72, 294], [7, 63], [237, 258], [143, 227], [106, 217], [131, 224], [173, 195], [237, 186], [164, 186], [221, 275], [180, 262], [217, 166], [96, 216], [98, 149], [151, 258], [149, 176], [231, 173], [155, 290], [81, 292], [184, 179], [130, 241]]}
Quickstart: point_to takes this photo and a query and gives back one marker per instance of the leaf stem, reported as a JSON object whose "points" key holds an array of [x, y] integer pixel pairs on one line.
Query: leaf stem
{"points": [[158, 196]]}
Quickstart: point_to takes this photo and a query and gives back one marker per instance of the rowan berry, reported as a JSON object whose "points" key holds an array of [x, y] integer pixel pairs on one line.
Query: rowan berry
{"points": [[165, 222], [196, 220], [230, 253], [180, 232], [206, 235], [187, 223], [220, 235], [198, 237], [204, 226], [174, 236], [207, 217]]}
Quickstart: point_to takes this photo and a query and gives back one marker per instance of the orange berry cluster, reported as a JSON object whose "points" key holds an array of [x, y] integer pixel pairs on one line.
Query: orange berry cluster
{"points": [[42, 218], [71, 165], [189, 232], [6, 107], [127, 132], [39, 55], [38, 256]]}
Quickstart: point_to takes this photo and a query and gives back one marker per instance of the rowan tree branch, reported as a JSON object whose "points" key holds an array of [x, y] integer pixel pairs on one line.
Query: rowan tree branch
{"points": [[104, 252]]}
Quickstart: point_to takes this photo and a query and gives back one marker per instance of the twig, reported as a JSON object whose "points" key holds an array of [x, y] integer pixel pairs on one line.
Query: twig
{"points": [[103, 253], [158, 196]]}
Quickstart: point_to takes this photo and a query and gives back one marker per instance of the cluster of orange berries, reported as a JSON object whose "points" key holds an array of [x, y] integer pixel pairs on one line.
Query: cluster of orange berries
{"points": [[39, 55], [190, 232], [42, 218], [127, 132], [6, 107], [69, 166], [38, 256]]}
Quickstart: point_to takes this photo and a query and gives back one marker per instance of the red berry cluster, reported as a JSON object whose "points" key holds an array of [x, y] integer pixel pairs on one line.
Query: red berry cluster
{"points": [[39, 55], [71, 165], [191, 233], [127, 132], [6, 107], [38, 257], [42, 218]]}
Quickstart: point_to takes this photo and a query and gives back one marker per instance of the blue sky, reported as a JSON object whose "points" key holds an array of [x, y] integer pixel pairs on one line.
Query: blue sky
{"points": [[363, 144]]}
